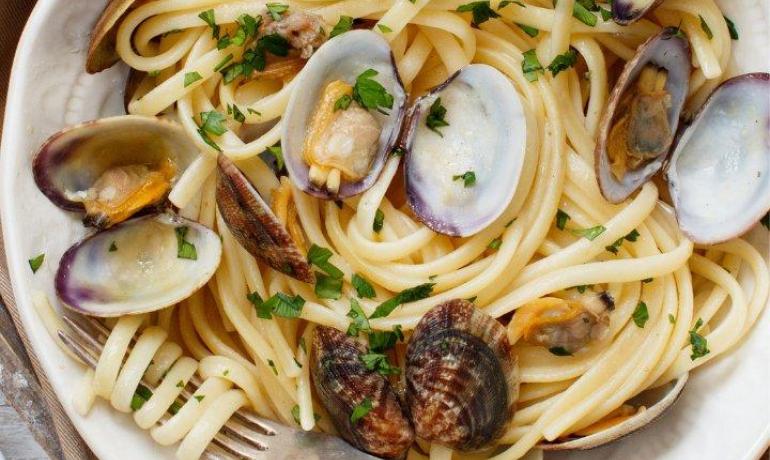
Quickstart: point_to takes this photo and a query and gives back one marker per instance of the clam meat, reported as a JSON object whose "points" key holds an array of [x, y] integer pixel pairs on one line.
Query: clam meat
{"points": [[719, 172], [563, 324], [642, 116], [462, 378], [113, 167], [362, 405], [465, 147], [138, 266], [345, 117]]}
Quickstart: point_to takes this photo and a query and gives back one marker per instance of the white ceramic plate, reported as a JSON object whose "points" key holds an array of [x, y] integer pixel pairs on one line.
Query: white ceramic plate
{"points": [[723, 414]]}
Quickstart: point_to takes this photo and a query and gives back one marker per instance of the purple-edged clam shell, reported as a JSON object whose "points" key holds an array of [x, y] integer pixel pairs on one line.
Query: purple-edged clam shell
{"points": [[254, 224], [134, 267], [101, 50], [344, 57], [667, 50], [625, 12], [71, 160], [719, 171], [486, 136]]}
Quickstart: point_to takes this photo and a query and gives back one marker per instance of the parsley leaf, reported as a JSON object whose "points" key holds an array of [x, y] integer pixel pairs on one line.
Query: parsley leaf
{"points": [[482, 12], [706, 29], [379, 220], [468, 178], [113, 247], [559, 351], [344, 24], [191, 77], [698, 342], [276, 10], [731, 28], [362, 286], [671, 319], [582, 14], [384, 29], [36, 262], [213, 122], [284, 306], [360, 410], [343, 102], [495, 244], [531, 65], [436, 117], [223, 62], [588, 233], [360, 322], [295, 414], [641, 315], [263, 311], [184, 249], [237, 114], [561, 219], [370, 94], [379, 362], [563, 62], [319, 257], [272, 365], [407, 295], [381, 341], [276, 152], [327, 287], [531, 31], [208, 17]]}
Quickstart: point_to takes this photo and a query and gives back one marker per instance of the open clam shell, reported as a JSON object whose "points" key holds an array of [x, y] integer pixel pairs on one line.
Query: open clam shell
{"points": [[667, 52], [485, 137], [101, 50], [342, 58], [71, 161], [254, 224], [657, 401], [719, 172], [625, 12], [139, 266]]}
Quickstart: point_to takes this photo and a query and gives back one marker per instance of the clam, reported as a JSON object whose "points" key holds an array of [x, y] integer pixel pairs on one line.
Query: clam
{"points": [[647, 407], [139, 266], [101, 50], [360, 402], [113, 167], [345, 116], [462, 378], [625, 12], [562, 324], [642, 115], [254, 225], [719, 172], [465, 143]]}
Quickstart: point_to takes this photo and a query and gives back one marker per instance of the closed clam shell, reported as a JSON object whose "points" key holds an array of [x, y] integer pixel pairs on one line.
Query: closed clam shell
{"points": [[462, 378], [625, 12], [101, 50], [343, 382]]}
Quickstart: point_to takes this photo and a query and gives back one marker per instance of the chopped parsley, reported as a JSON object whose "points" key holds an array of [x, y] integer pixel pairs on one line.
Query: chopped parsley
{"points": [[436, 117], [561, 219], [36, 262], [284, 305], [379, 362], [272, 366], [588, 233], [302, 345], [381, 341], [180, 384], [227, 372], [472, 299], [731, 28], [249, 24], [223, 62], [142, 394], [370, 94], [191, 77], [495, 244], [113, 247], [276, 10], [606, 14], [641, 315], [344, 24], [563, 62], [482, 12], [277, 152], [184, 249], [615, 246], [360, 410], [559, 351], [706, 29], [384, 29], [407, 295], [671, 319], [531, 31], [213, 122], [295, 414], [319, 257], [379, 220], [583, 287], [208, 17], [327, 287], [530, 65], [199, 398], [582, 12], [153, 73], [698, 342], [255, 59], [647, 280], [468, 178], [360, 322], [362, 286], [236, 113], [343, 102]]}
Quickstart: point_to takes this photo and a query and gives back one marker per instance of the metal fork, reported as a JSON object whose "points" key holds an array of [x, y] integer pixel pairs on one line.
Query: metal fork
{"points": [[245, 435]]}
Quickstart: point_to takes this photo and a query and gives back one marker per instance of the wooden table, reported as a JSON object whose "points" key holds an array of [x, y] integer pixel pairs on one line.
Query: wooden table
{"points": [[16, 442]]}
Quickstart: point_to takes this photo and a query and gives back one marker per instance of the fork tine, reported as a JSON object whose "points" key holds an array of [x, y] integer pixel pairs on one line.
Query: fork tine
{"points": [[244, 433], [78, 349], [78, 329], [239, 448]]}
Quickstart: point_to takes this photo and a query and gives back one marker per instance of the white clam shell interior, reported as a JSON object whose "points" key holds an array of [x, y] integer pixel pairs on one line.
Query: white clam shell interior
{"points": [[486, 135], [143, 273], [719, 175]]}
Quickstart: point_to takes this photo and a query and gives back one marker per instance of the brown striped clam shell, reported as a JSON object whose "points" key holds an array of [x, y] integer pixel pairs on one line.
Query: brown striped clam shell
{"points": [[462, 378], [254, 225], [343, 382]]}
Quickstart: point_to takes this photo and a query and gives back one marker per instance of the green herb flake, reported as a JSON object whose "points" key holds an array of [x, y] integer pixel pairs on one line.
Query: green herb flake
{"points": [[530, 65], [199, 398], [706, 29], [276, 10], [184, 249], [482, 12], [223, 62], [319, 257], [563, 62], [647, 280], [302, 345], [180, 384], [208, 17], [698, 342], [561, 219], [641, 315], [295, 414], [191, 77], [472, 299], [382, 341], [379, 220], [495, 244], [363, 288], [327, 287], [559, 351], [213, 122], [272, 366], [731, 28], [531, 31], [632, 237], [583, 287], [370, 94], [264, 312], [436, 117], [384, 29], [227, 372], [249, 24], [343, 102], [468, 178], [614, 247], [379, 362], [284, 305], [606, 14], [36, 262], [277, 152], [408, 295], [671, 319], [582, 14], [344, 24], [360, 410], [360, 323], [589, 233], [113, 247]]}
